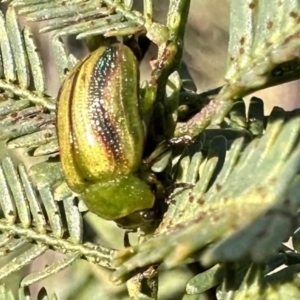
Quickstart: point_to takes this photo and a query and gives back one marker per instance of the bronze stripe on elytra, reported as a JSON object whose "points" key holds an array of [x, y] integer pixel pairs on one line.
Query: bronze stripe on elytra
{"points": [[73, 79], [107, 124], [71, 123]]}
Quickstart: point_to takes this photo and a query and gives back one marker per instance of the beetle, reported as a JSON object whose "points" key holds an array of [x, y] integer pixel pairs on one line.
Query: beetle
{"points": [[101, 135]]}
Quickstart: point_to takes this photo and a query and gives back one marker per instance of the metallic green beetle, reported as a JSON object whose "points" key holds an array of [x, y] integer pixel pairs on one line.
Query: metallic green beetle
{"points": [[101, 135]]}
